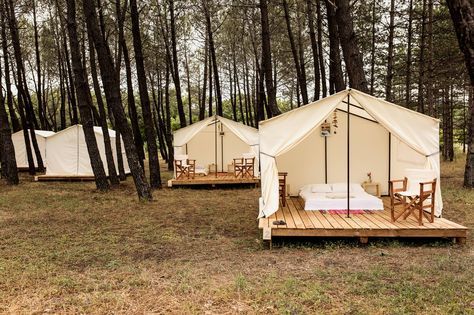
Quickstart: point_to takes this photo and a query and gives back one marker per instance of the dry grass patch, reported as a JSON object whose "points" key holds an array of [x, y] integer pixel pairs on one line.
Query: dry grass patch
{"points": [[65, 248]]}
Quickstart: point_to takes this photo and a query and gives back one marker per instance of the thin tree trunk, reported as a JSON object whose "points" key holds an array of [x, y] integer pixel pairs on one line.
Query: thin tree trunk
{"points": [[429, 84], [175, 67], [391, 30], [372, 50], [114, 180], [409, 52], [314, 50], [39, 95], [169, 135], [84, 99], [153, 161], [421, 63], [320, 47], [114, 100], [267, 61], [294, 52], [188, 81], [202, 107]]}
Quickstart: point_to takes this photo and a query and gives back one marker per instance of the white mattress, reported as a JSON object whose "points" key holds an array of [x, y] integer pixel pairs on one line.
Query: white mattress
{"points": [[201, 170], [332, 201]]}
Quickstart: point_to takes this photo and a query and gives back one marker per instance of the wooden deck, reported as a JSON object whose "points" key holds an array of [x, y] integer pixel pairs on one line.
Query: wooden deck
{"points": [[301, 223], [65, 178], [213, 180]]}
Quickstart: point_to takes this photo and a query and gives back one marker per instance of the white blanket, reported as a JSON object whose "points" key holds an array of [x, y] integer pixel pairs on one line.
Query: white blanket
{"points": [[201, 170], [336, 201]]}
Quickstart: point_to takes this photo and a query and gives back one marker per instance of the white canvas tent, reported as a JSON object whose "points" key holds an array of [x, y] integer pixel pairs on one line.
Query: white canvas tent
{"points": [[379, 137], [20, 147], [68, 155], [216, 140]]}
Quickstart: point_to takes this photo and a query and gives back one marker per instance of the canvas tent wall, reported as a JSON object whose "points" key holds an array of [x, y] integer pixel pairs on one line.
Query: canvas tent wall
{"points": [[68, 155], [216, 140], [20, 147], [384, 139]]}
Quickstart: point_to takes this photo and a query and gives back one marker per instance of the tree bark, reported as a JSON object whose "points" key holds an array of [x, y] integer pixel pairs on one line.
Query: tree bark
{"points": [[336, 80], [114, 100], [462, 15], [114, 180], [294, 52], [314, 50], [153, 161], [421, 63], [322, 67], [409, 49], [350, 49], [372, 49], [175, 67], [267, 60], [391, 30], [85, 100]]}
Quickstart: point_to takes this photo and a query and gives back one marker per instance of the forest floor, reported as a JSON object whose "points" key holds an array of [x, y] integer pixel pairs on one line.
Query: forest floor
{"points": [[65, 248]]}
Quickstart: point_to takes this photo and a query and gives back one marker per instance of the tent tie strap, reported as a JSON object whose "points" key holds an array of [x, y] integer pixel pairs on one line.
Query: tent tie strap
{"points": [[272, 156], [437, 152]]}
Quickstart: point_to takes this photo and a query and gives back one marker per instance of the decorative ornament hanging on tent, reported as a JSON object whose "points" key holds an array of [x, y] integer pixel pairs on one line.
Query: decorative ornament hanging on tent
{"points": [[334, 121], [325, 129]]}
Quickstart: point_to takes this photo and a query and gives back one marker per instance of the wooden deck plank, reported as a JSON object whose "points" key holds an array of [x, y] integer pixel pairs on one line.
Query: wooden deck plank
{"points": [[296, 216], [335, 223], [290, 223], [303, 214]]}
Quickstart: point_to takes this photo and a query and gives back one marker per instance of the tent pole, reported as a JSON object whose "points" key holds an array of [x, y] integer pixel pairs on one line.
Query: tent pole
{"points": [[215, 143], [348, 153]]}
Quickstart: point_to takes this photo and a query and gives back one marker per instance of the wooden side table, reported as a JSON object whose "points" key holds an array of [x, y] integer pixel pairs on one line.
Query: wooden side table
{"points": [[372, 188]]}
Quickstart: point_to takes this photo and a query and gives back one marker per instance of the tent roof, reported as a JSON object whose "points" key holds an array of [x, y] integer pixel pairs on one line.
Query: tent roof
{"points": [[97, 130], [42, 133], [247, 134]]}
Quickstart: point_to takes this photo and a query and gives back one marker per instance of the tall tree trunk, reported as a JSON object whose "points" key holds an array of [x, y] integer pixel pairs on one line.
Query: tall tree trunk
{"points": [[175, 67], [8, 166], [169, 135], [320, 48], [350, 49], [429, 83], [39, 95], [294, 52], [462, 15], [391, 30], [188, 81], [210, 87], [202, 107], [114, 180], [314, 50], [114, 100], [372, 49], [336, 80], [409, 49], [267, 60], [29, 117], [154, 165], [212, 51], [421, 62], [301, 45], [85, 100], [9, 95]]}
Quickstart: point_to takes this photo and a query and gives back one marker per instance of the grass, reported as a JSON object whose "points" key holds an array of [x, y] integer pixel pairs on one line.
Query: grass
{"points": [[65, 248]]}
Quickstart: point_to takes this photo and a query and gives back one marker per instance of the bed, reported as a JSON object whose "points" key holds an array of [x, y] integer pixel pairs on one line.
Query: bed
{"points": [[334, 197]]}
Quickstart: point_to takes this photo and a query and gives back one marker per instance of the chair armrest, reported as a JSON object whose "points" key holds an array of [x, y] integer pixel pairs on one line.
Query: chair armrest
{"points": [[191, 162], [396, 180]]}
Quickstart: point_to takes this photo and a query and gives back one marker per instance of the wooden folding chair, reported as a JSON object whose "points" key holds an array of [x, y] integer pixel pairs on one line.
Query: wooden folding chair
{"points": [[418, 202], [395, 198], [239, 167], [249, 169], [184, 167]]}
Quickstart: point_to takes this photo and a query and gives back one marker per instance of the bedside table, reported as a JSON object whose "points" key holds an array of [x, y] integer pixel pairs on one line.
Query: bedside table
{"points": [[372, 188]]}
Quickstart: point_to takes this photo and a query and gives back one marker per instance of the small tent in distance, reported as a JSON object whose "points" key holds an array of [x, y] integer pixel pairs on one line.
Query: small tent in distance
{"points": [[20, 147], [214, 143], [338, 140], [68, 157]]}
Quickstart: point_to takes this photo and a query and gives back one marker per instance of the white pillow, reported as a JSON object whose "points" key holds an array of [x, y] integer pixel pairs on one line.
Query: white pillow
{"points": [[342, 187], [321, 188]]}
